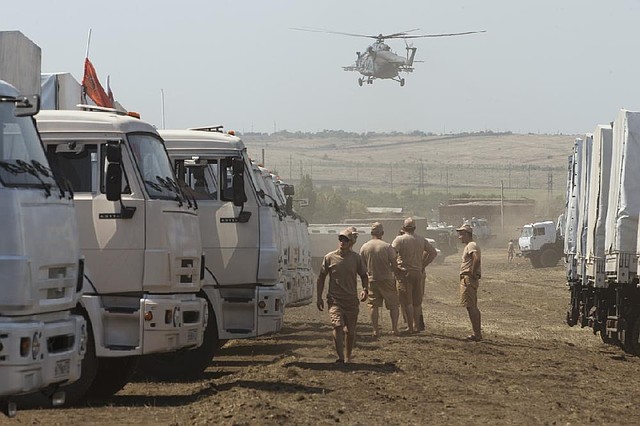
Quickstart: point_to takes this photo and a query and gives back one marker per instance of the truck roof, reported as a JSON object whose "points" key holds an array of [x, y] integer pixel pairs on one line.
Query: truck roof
{"points": [[90, 123], [199, 140]]}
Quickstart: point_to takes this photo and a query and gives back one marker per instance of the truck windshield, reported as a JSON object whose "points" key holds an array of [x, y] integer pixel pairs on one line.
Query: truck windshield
{"points": [[154, 167], [527, 231], [22, 159]]}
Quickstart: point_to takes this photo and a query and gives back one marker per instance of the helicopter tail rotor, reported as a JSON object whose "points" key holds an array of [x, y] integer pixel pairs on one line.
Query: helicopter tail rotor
{"points": [[411, 54]]}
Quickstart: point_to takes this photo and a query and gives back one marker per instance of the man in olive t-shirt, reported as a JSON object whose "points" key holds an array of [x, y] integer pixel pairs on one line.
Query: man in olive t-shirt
{"points": [[343, 266]]}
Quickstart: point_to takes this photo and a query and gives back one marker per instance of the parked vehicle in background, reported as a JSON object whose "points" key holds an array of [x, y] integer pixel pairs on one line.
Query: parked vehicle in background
{"points": [[481, 229], [42, 342], [446, 240], [140, 237], [541, 243]]}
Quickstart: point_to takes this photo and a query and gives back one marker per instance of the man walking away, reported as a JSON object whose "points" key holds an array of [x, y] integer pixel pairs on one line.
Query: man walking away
{"points": [[343, 266], [470, 273], [380, 259]]}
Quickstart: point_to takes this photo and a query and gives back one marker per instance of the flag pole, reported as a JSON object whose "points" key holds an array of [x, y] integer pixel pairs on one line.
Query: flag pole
{"points": [[162, 105], [88, 43]]}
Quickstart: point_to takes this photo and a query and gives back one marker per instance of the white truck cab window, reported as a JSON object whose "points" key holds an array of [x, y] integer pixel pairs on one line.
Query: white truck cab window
{"points": [[22, 161]]}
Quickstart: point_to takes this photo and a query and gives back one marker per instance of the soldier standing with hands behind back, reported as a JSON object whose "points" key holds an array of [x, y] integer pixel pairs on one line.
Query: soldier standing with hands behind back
{"points": [[343, 266], [380, 259], [470, 273], [414, 253]]}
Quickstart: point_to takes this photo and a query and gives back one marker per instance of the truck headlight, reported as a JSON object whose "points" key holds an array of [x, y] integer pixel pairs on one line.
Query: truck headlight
{"points": [[35, 345]]}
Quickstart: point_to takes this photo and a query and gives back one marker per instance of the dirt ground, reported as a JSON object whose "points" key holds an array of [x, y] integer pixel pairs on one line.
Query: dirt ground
{"points": [[530, 369]]}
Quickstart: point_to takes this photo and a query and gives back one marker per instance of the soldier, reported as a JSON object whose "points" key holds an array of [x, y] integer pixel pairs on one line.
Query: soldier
{"points": [[343, 266], [470, 273], [414, 253], [380, 259]]}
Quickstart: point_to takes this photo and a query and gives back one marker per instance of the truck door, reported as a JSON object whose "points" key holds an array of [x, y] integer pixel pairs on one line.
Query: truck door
{"points": [[112, 245]]}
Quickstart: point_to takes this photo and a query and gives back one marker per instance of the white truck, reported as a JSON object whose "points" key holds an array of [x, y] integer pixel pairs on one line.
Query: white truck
{"points": [[541, 243], [41, 342], [237, 226], [140, 237], [608, 301]]}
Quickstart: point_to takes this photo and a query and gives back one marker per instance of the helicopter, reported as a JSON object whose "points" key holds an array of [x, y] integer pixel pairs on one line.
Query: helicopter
{"points": [[378, 61]]}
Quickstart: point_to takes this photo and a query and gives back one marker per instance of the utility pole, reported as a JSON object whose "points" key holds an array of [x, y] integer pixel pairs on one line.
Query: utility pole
{"points": [[391, 176], [502, 206], [549, 192]]}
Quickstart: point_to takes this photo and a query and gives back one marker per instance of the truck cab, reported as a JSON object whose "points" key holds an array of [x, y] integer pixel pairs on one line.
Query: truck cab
{"points": [[140, 237], [42, 342], [541, 244], [236, 222]]}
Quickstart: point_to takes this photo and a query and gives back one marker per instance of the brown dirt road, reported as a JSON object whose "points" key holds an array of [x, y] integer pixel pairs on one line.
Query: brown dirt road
{"points": [[530, 369]]}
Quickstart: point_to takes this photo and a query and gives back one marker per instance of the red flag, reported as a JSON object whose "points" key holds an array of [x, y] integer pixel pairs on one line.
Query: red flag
{"points": [[110, 93], [91, 86]]}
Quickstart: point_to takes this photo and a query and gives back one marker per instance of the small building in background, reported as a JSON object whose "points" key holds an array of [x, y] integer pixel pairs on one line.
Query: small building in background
{"points": [[516, 212]]}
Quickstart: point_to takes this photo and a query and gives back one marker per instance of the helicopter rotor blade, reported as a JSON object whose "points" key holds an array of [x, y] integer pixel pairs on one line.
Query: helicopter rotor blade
{"points": [[440, 35], [401, 33], [320, 30]]}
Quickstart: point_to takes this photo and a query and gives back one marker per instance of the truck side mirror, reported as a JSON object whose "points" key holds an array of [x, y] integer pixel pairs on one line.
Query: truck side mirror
{"points": [[289, 190], [114, 153], [113, 184], [289, 206], [237, 183], [27, 106]]}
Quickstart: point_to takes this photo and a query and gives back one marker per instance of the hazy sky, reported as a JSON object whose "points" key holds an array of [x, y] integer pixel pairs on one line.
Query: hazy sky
{"points": [[543, 66]]}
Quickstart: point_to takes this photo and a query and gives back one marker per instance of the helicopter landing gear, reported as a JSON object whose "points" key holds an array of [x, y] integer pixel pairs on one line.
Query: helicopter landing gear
{"points": [[360, 82], [401, 82]]}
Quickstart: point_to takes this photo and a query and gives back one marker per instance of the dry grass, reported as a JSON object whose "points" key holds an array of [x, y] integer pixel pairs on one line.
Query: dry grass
{"points": [[477, 164]]}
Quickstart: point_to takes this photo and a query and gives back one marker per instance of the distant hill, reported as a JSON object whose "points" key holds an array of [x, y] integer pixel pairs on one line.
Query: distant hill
{"points": [[526, 165]]}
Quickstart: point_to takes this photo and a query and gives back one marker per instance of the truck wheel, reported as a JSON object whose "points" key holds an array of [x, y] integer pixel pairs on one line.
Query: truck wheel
{"points": [[632, 335], [186, 364], [549, 258], [112, 375], [76, 392], [535, 260]]}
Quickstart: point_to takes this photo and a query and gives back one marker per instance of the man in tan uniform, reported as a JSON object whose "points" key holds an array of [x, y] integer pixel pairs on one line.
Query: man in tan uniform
{"points": [[414, 253], [343, 267], [380, 259], [470, 273]]}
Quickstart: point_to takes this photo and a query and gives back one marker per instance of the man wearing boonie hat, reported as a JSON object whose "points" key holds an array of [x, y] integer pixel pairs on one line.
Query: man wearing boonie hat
{"points": [[414, 253], [470, 273], [343, 266], [380, 259]]}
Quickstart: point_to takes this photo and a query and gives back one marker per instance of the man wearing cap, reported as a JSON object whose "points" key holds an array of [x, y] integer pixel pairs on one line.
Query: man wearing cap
{"points": [[414, 254], [380, 259], [343, 266], [470, 273]]}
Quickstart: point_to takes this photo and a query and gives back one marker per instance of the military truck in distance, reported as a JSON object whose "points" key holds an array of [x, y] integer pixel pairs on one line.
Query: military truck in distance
{"points": [[541, 244]]}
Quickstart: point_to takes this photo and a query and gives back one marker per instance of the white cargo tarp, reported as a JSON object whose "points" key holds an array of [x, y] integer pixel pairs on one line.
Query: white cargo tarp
{"points": [[599, 191], [624, 198], [573, 193], [60, 91], [20, 60], [583, 199]]}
